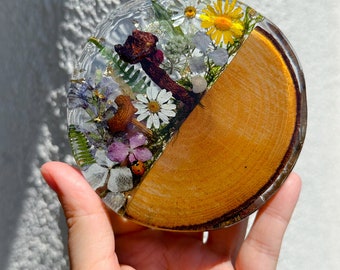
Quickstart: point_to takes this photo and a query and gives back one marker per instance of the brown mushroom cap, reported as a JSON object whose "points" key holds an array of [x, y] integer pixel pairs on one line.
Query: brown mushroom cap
{"points": [[123, 116]]}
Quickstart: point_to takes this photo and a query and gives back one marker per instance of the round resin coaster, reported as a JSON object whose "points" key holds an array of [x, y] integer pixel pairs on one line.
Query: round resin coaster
{"points": [[186, 115]]}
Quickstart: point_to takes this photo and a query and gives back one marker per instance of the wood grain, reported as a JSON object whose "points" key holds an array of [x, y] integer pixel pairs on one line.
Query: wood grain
{"points": [[228, 149]]}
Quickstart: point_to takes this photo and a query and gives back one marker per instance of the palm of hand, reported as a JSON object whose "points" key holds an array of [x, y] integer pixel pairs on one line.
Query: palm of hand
{"points": [[144, 248]]}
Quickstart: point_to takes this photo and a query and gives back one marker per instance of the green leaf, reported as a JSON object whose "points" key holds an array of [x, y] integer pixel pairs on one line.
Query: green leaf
{"points": [[80, 147], [164, 18], [122, 69], [160, 11]]}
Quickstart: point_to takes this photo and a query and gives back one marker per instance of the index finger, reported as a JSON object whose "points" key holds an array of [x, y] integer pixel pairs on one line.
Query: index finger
{"points": [[262, 246]]}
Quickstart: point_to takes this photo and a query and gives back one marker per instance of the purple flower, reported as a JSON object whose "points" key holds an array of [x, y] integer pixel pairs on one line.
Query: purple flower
{"points": [[82, 92], [119, 151], [79, 95]]}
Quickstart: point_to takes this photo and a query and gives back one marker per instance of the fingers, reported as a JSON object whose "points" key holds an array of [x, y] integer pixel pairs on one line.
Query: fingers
{"points": [[227, 241], [262, 246], [91, 240]]}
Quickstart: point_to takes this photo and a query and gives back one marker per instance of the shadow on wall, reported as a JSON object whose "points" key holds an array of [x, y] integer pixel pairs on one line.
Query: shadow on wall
{"points": [[38, 43], [29, 59]]}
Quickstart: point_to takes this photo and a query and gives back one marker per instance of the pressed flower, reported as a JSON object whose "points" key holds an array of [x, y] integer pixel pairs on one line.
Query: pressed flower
{"points": [[80, 118], [218, 55], [197, 64], [223, 22], [89, 95], [177, 50], [118, 179], [199, 84], [186, 15], [156, 107], [79, 94], [106, 90], [114, 200], [201, 41], [135, 150], [106, 173]]}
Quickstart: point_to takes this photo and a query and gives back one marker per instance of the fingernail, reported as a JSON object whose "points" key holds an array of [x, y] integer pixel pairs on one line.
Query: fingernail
{"points": [[48, 178]]}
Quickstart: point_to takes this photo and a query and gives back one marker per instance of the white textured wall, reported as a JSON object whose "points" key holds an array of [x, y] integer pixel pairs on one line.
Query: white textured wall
{"points": [[38, 40]]}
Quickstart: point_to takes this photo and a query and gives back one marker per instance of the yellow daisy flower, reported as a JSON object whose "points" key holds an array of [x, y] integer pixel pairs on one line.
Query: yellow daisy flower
{"points": [[223, 23]]}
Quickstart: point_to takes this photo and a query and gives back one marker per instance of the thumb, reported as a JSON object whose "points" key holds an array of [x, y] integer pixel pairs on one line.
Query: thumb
{"points": [[91, 239]]}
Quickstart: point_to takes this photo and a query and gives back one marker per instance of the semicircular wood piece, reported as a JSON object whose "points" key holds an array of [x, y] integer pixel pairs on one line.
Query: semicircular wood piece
{"points": [[228, 149]]}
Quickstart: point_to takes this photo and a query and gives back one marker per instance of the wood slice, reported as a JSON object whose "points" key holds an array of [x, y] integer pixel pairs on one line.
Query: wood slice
{"points": [[229, 150]]}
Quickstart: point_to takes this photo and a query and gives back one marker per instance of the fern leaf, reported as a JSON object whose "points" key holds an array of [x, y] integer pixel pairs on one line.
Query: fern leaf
{"points": [[128, 73], [135, 75], [80, 147], [122, 69], [141, 85]]}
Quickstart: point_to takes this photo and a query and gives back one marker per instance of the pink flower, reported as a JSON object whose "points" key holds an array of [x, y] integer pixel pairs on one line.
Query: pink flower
{"points": [[119, 151]]}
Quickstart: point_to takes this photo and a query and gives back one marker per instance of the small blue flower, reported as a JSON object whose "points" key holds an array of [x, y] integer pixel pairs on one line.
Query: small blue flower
{"points": [[108, 88], [204, 44], [219, 56], [79, 95]]}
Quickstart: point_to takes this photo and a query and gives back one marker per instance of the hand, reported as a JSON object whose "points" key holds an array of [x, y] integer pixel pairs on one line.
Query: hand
{"points": [[100, 239]]}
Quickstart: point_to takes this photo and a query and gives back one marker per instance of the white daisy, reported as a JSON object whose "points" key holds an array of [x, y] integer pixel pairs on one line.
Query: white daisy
{"points": [[186, 15], [156, 107]]}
